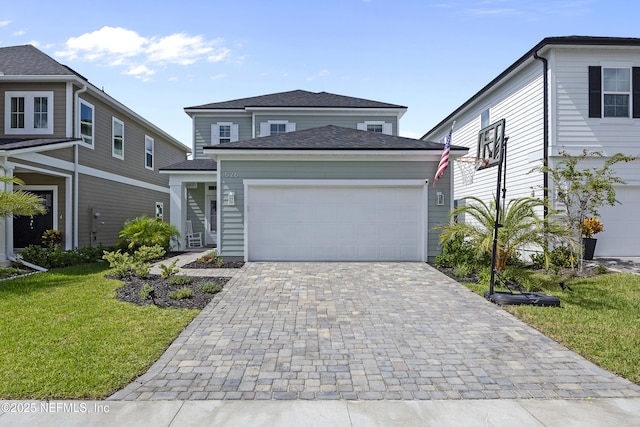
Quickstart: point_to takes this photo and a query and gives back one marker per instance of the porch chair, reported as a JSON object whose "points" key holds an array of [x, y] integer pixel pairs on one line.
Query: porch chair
{"points": [[193, 240]]}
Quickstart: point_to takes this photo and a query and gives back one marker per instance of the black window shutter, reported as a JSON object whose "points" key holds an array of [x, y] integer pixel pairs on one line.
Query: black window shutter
{"points": [[635, 88], [595, 97]]}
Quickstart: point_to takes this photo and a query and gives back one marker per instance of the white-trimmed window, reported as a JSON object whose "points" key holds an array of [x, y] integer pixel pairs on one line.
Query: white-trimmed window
{"points": [[28, 112], [376, 127], [222, 132], [159, 211], [616, 92], [148, 152], [276, 127], [485, 118], [86, 120], [117, 138]]}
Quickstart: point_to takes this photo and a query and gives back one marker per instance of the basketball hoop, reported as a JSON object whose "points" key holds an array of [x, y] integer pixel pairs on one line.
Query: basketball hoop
{"points": [[468, 165]]}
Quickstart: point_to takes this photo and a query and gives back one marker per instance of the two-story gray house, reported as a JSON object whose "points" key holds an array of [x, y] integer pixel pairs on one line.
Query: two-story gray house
{"points": [[566, 94], [309, 176], [93, 160]]}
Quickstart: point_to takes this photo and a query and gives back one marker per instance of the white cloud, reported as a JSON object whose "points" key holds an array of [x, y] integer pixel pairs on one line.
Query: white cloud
{"points": [[121, 47], [218, 76], [4, 23], [323, 73], [141, 72], [19, 33]]}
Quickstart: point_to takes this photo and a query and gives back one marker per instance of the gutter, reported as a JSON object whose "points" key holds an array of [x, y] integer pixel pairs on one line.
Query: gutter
{"points": [[545, 128], [26, 264], [76, 160]]}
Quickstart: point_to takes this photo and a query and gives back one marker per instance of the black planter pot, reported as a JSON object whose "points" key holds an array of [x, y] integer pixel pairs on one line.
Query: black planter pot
{"points": [[589, 247]]}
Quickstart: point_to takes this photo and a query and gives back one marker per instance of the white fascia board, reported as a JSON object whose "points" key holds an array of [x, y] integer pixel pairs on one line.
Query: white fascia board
{"points": [[181, 179], [39, 149], [334, 182], [328, 155], [188, 172], [312, 111]]}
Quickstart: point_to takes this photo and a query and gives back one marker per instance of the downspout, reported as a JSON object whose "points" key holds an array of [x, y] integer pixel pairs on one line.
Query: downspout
{"points": [[76, 180], [545, 129]]}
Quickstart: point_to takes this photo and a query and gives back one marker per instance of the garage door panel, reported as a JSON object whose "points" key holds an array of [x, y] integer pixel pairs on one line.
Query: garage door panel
{"points": [[621, 224], [350, 223]]}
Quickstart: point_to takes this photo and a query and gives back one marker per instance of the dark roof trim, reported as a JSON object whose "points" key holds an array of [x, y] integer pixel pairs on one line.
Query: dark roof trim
{"points": [[13, 144], [194, 165], [559, 41]]}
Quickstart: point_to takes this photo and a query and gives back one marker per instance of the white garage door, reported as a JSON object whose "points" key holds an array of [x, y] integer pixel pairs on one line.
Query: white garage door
{"points": [[621, 235], [335, 223]]}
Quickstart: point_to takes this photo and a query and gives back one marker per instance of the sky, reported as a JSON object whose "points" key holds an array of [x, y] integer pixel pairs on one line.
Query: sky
{"points": [[159, 57]]}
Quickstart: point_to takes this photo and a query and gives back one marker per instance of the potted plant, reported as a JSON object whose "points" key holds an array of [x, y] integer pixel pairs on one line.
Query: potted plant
{"points": [[588, 227]]}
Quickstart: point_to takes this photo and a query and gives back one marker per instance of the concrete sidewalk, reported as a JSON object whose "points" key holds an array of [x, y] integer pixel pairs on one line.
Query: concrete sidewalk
{"points": [[528, 412]]}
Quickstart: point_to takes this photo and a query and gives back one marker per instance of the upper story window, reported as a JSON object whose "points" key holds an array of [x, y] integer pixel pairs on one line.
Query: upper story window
{"points": [[616, 88], [222, 132], [148, 152], [86, 121], [276, 127], [614, 92], [28, 112], [376, 127], [117, 138], [485, 119]]}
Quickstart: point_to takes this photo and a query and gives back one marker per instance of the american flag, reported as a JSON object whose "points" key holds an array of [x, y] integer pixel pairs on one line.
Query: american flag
{"points": [[444, 159]]}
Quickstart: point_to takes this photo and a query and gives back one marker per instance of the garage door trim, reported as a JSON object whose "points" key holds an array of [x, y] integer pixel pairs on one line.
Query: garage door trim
{"points": [[249, 183]]}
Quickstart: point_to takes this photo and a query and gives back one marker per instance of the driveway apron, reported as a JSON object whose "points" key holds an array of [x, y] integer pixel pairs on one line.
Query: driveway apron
{"points": [[362, 331]]}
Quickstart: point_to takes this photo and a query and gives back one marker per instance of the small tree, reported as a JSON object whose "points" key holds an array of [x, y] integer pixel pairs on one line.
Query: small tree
{"points": [[18, 202], [584, 190], [521, 227]]}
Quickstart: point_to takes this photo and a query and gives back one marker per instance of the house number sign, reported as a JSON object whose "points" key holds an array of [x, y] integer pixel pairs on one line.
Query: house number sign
{"points": [[231, 174]]}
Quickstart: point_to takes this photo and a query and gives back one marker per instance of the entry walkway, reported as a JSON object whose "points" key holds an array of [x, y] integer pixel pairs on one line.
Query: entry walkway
{"points": [[363, 331]]}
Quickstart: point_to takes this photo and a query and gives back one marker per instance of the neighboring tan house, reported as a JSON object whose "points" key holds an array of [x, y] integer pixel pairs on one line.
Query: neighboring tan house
{"points": [[565, 94], [310, 176], [93, 160]]}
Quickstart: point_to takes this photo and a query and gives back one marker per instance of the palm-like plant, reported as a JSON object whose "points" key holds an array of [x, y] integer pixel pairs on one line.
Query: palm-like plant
{"points": [[19, 202], [145, 231], [521, 227]]}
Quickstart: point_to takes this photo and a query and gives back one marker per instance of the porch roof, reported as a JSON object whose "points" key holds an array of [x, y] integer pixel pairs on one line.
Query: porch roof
{"points": [[9, 144]]}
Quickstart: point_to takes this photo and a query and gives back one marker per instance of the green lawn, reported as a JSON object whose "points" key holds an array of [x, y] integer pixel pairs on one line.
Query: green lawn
{"points": [[599, 319], [64, 335]]}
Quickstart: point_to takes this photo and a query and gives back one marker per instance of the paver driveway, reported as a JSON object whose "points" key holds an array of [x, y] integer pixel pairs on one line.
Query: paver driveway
{"points": [[363, 331]]}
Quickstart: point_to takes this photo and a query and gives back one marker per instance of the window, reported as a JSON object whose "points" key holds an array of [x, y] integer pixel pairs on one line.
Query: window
{"points": [[159, 211], [376, 127], [28, 112], [117, 149], [614, 92], [276, 127], [485, 119], [222, 132], [616, 86], [86, 122], [148, 152]]}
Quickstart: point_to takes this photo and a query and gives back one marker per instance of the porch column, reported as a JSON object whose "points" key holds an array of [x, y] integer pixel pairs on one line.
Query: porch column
{"points": [[6, 223], [177, 204]]}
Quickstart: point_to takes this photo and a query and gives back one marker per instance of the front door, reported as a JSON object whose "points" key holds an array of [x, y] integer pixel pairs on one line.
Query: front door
{"points": [[211, 211], [28, 231]]}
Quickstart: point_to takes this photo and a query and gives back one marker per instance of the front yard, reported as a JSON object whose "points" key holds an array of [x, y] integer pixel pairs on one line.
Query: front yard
{"points": [[64, 335]]}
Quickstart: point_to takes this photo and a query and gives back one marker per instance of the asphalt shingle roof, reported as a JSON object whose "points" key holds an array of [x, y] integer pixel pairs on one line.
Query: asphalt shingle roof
{"points": [[333, 138], [27, 60], [193, 165], [299, 99]]}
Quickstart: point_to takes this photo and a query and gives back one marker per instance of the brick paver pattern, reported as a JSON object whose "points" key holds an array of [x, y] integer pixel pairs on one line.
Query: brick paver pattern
{"points": [[362, 331]]}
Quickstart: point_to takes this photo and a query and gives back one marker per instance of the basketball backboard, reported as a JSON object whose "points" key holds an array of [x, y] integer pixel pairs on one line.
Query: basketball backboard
{"points": [[490, 141]]}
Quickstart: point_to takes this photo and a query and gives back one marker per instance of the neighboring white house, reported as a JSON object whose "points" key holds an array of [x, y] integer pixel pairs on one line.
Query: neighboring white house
{"points": [[565, 94]]}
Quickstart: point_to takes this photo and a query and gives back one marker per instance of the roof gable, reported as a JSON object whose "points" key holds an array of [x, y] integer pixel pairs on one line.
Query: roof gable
{"points": [[27, 60], [296, 99], [332, 138]]}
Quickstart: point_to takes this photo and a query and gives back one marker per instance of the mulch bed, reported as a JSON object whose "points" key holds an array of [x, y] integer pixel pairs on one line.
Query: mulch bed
{"points": [[226, 264], [130, 292]]}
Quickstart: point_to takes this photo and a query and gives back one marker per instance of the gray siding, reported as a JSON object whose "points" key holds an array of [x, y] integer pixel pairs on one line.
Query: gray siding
{"points": [[196, 207], [232, 217], [116, 203], [202, 130], [309, 121], [59, 101]]}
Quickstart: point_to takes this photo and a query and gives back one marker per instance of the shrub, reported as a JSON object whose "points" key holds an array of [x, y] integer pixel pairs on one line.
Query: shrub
{"points": [[146, 291], [51, 238], [167, 271], [601, 269], [145, 231], [460, 252], [54, 257], [122, 263], [143, 271], [149, 253], [179, 280], [590, 226], [213, 258], [181, 293], [210, 288]]}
